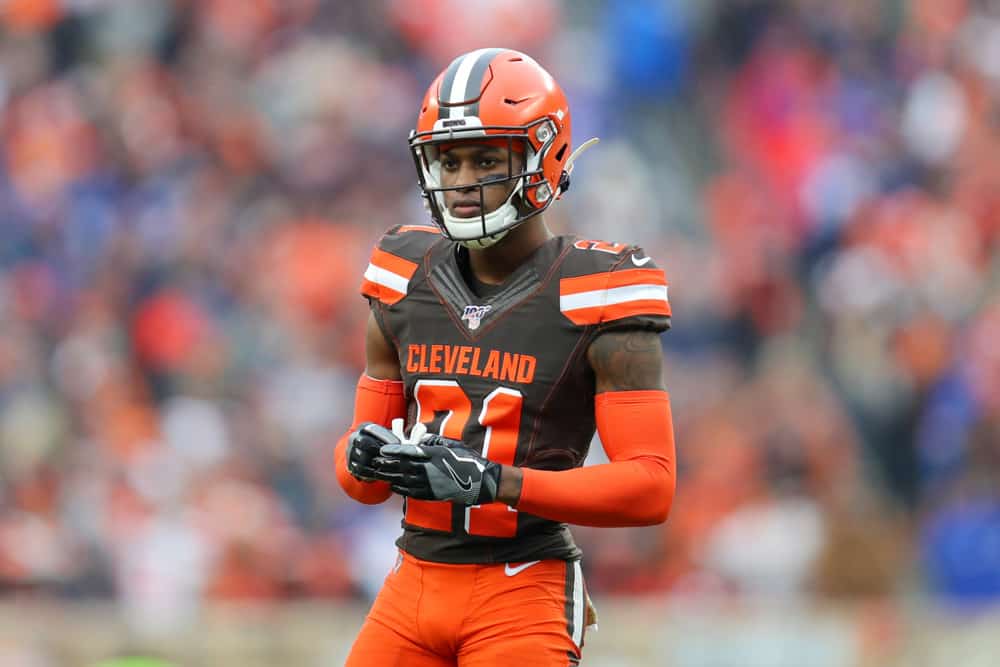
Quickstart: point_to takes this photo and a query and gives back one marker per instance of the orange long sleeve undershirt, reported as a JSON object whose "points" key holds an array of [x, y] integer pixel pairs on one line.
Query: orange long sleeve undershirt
{"points": [[378, 401], [635, 489]]}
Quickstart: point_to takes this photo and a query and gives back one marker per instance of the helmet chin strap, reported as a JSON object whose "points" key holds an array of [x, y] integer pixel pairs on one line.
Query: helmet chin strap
{"points": [[485, 242], [504, 215], [506, 209]]}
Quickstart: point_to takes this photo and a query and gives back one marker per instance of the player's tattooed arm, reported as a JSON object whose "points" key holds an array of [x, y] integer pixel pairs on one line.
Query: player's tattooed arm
{"points": [[627, 361]]}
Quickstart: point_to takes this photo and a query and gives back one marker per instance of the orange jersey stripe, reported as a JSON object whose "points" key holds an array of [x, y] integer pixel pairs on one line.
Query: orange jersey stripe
{"points": [[600, 281], [387, 276], [418, 228], [617, 311], [394, 263], [386, 295]]}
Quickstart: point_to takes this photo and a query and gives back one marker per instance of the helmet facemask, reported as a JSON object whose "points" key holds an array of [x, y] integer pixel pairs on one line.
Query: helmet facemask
{"points": [[490, 226]]}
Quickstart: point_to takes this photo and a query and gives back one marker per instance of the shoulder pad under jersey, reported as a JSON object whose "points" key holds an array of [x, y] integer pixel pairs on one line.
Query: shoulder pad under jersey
{"points": [[613, 285], [394, 261]]}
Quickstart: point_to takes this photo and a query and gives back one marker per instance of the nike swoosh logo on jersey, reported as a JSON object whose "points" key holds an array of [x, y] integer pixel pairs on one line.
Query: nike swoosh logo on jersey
{"points": [[466, 485], [640, 262], [511, 571]]}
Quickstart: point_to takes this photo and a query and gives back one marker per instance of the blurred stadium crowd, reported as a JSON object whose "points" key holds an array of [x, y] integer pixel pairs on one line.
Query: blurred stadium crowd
{"points": [[189, 190]]}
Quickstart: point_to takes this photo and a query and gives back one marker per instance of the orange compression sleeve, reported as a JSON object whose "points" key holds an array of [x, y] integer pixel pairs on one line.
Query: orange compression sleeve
{"points": [[378, 401], [635, 489]]}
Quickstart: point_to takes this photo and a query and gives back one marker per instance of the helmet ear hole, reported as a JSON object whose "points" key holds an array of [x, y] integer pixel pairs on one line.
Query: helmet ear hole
{"points": [[562, 151]]}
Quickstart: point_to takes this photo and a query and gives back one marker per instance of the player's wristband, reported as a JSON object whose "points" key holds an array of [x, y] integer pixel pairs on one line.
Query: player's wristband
{"points": [[378, 401]]}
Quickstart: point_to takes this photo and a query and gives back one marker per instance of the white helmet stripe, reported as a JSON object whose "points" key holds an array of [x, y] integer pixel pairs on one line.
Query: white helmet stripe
{"points": [[465, 85]]}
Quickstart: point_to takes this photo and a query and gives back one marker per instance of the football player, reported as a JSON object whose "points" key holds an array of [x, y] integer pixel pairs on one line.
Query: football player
{"points": [[508, 346]]}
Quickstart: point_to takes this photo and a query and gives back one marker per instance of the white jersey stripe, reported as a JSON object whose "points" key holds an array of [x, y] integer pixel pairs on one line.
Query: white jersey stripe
{"points": [[578, 606], [386, 278], [609, 297]]}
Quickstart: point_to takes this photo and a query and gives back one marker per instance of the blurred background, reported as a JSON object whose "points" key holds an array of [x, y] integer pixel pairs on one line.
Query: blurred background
{"points": [[189, 190]]}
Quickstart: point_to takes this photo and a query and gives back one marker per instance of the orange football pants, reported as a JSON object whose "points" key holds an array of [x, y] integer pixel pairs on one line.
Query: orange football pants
{"points": [[443, 615]]}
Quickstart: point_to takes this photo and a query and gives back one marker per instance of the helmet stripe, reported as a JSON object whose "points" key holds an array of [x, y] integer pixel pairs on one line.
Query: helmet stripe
{"points": [[444, 94], [475, 82], [462, 82]]}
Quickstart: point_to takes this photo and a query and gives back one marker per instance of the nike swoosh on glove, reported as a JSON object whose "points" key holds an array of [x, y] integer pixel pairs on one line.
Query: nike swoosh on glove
{"points": [[438, 468], [363, 449]]}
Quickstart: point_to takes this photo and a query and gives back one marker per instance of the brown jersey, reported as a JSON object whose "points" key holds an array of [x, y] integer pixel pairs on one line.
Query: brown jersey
{"points": [[506, 374]]}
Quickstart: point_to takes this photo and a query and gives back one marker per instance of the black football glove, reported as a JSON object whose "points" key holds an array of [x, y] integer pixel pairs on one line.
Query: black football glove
{"points": [[438, 468], [363, 448]]}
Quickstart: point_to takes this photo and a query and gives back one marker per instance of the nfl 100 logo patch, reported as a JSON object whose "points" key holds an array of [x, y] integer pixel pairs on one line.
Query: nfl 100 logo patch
{"points": [[474, 315]]}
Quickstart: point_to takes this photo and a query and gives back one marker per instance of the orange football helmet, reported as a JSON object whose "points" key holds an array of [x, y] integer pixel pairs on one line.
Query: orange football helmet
{"points": [[494, 95]]}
